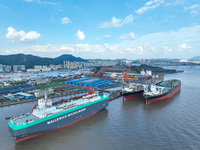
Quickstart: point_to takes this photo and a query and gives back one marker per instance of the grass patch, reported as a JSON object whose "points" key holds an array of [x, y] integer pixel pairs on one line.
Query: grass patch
{"points": [[49, 85]]}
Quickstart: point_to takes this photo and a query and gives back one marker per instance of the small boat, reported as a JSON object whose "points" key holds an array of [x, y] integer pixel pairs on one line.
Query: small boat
{"points": [[161, 90], [8, 117], [24, 76]]}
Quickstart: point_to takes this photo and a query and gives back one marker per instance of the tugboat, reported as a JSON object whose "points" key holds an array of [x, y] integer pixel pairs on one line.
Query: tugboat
{"points": [[161, 90]]}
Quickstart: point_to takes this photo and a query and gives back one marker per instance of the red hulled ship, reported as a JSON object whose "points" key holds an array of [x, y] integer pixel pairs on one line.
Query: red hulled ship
{"points": [[161, 91]]}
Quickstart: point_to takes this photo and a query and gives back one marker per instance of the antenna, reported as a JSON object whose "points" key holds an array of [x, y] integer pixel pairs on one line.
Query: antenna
{"points": [[45, 96]]}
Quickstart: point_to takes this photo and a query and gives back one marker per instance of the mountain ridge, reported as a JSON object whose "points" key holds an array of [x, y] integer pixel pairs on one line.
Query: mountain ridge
{"points": [[30, 60], [197, 58]]}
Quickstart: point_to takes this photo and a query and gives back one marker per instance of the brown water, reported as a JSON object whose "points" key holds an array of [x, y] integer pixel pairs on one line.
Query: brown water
{"points": [[173, 124]]}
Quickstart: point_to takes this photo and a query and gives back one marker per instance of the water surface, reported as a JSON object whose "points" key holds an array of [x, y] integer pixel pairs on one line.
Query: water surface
{"points": [[168, 125]]}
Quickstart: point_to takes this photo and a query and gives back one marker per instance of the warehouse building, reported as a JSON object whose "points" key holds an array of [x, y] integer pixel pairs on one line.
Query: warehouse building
{"points": [[96, 82], [22, 95]]}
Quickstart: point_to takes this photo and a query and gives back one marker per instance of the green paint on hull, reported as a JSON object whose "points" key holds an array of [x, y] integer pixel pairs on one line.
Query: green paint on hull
{"points": [[22, 126]]}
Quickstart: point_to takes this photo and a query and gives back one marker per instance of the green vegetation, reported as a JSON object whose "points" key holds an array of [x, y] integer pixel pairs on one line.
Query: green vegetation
{"points": [[96, 69], [56, 80], [135, 69], [29, 60], [138, 69], [197, 58], [49, 85]]}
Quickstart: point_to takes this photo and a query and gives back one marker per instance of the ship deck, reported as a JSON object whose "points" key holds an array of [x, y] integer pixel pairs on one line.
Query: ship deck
{"points": [[48, 111], [162, 88], [168, 83], [24, 119]]}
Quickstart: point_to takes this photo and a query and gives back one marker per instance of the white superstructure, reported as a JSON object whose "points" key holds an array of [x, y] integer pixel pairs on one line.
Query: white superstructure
{"points": [[132, 87], [153, 90], [45, 107]]}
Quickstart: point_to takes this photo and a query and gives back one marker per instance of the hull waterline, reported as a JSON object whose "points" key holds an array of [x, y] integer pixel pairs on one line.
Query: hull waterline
{"points": [[165, 96]]}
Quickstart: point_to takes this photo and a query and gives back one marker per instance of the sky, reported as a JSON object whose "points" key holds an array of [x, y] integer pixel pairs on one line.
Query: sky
{"points": [[101, 29]]}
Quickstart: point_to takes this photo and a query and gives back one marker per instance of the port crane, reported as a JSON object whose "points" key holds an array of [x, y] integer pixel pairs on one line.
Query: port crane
{"points": [[89, 90], [97, 75], [126, 74], [124, 70], [104, 72]]}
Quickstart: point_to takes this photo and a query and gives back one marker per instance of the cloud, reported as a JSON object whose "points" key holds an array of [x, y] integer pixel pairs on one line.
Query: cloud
{"points": [[184, 46], [87, 47], [149, 5], [174, 2], [194, 9], [55, 50], [167, 49], [30, 37], [107, 36], [137, 51], [153, 4], [178, 48], [80, 35], [60, 10], [12, 33], [3, 6], [109, 47], [65, 20], [42, 2], [124, 36], [98, 38], [22, 36], [181, 43], [117, 22], [131, 36]]}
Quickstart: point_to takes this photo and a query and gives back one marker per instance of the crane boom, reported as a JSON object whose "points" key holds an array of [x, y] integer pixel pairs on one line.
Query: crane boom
{"points": [[90, 90], [138, 69], [130, 67], [104, 72], [126, 73], [124, 70]]}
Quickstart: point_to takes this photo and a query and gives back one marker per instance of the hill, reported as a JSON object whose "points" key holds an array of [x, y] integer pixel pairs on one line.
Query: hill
{"points": [[197, 58], [134, 69], [30, 60], [67, 57]]}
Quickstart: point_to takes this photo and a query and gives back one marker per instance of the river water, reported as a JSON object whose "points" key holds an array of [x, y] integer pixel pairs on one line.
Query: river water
{"points": [[172, 124]]}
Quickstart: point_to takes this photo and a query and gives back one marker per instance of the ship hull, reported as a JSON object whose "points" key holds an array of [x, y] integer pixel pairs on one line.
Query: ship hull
{"points": [[132, 95], [58, 122], [163, 96]]}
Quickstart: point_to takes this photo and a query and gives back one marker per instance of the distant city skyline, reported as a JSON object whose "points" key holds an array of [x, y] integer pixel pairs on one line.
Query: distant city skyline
{"points": [[103, 29]]}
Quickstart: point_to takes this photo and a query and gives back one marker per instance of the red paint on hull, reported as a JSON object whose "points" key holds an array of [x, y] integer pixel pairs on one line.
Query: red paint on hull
{"points": [[4, 77], [37, 134], [164, 97], [128, 97]]}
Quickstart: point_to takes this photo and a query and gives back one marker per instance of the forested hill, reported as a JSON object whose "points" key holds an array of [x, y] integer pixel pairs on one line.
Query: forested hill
{"points": [[31, 60]]}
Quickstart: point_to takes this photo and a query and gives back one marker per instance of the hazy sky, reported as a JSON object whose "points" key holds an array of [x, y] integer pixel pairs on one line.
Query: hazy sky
{"points": [[131, 29]]}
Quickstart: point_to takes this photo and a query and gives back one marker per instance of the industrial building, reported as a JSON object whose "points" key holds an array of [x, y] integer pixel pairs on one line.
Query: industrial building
{"points": [[40, 93], [17, 88], [96, 82], [10, 97], [22, 95]]}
